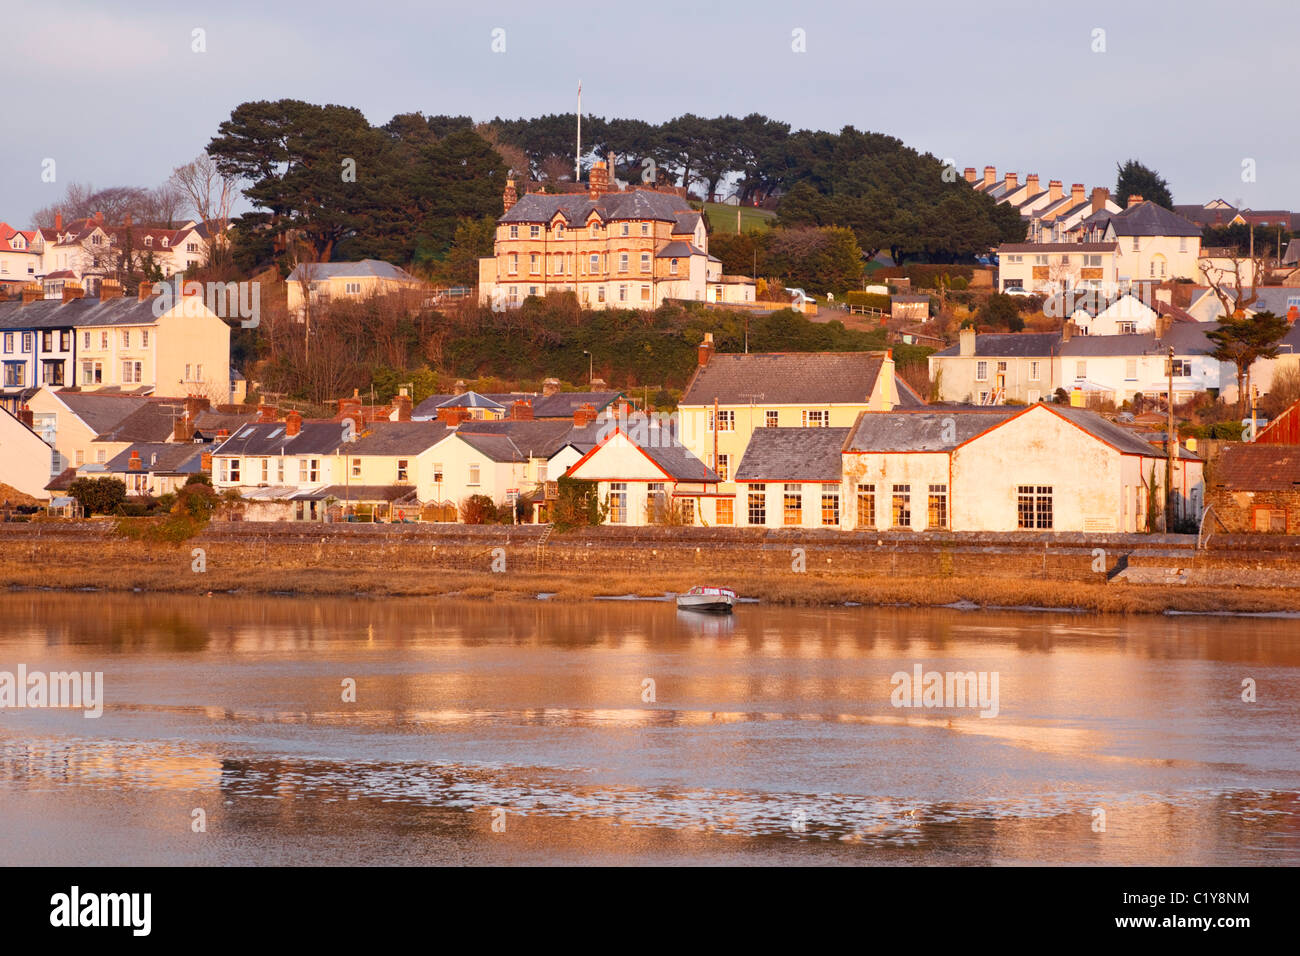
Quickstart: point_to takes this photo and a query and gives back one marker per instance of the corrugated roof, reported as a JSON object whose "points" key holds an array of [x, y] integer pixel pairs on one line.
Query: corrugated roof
{"points": [[786, 378], [793, 454]]}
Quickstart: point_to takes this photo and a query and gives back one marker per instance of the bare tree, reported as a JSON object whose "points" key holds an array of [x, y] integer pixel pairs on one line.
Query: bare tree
{"points": [[210, 195], [1234, 289], [516, 159]]}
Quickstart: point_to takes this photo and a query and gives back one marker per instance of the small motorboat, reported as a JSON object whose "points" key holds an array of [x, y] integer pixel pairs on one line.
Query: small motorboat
{"points": [[698, 598]]}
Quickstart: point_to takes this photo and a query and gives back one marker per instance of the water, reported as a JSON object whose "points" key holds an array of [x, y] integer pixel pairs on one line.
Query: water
{"points": [[525, 733]]}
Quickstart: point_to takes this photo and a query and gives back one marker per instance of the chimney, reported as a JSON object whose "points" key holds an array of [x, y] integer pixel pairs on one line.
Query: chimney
{"points": [[27, 416], [990, 176], [58, 222], [969, 173], [453, 415], [1099, 196], [1292, 314], [32, 292], [1163, 321], [292, 423], [706, 349], [1054, 192], [1133, 200], [1067, 330], [584, 415], [597, 181], [145, 290], [522, 411], [966, 338], [205, 462], [109, 289], [550, 387], [134, 464], [99, 218], [195, 404], [1010, 181], [1031, 181], [402, 402], [184, 430], [1077, 194], [266, 413], [72, 291], [510, 197], [460, 387], [126, 222], [222, 434]]}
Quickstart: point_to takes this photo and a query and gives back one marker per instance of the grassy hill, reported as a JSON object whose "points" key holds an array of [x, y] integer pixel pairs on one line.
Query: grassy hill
{"points": [[722, 218]]}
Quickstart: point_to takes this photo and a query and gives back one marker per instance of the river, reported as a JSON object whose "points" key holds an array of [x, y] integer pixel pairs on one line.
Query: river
{"points": [[254, 730]]}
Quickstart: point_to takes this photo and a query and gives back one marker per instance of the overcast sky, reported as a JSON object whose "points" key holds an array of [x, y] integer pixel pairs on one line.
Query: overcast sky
{"points": [[113, 92]]}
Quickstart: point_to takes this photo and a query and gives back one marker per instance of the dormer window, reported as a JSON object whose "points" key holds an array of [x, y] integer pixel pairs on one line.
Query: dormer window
{"points": [[559, 230], [164, 242], [148, 240], [595, 230]]}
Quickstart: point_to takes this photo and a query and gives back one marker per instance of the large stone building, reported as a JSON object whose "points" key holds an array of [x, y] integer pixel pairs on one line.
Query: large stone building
{"points": [[623, 249]]}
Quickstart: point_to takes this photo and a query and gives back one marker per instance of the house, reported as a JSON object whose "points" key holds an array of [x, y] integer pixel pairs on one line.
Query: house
{"points": [[1282, 430], [1256, 488], [550, 403], [1153, 243], [20, 257], [290, 463], [646, 476], [1050, 267], [792, 477], [157, 468], [613, 248], [732, 395], [37, 346], [1041, 468], [70, 421], [87, 251], [312, 282], [1117, 367], [24, 456], [505, 461], [400, 454], [997, 367]]}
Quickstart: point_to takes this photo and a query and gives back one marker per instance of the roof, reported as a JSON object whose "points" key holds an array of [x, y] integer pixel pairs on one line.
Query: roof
{"points": [[1148, 219], [1057, 247], [577, 207], [365, 268], [929, 431], [679, 249], [785, 378], [55, 313], [99, 411], [1010, 345], [677, 460], [398, 438], [172, 458], [564, 404], [1255, 467], [1112, 434], [154, 421], [516, 440], [269, 438], [793, 454], [907, 396], [429, 407], [472, 400], [208, 422], [357, 493]]}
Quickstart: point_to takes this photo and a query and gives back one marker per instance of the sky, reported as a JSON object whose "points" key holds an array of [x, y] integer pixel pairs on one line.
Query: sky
{"points": [[116, 93]]}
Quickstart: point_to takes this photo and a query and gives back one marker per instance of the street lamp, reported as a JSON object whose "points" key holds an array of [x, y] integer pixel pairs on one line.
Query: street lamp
{"points": [[590, 370]]}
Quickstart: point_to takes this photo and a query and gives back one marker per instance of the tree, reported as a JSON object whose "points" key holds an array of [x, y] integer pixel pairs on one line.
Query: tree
{"points": [[210, 196], [824, 259], [1134, 179], [1242, 340], [1001, 311], [1235, 286], [98, 495], [475, 239]]}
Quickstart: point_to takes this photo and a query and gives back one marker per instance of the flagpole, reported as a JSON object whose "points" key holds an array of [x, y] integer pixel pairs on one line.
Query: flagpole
{"points": [[577, 158]]}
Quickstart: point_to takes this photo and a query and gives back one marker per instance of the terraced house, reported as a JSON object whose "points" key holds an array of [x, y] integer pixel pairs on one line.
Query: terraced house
{"points": [[632, 249]]}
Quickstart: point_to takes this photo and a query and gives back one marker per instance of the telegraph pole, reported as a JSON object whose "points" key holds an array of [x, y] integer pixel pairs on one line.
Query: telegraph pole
{"points": [[1169, 447]]}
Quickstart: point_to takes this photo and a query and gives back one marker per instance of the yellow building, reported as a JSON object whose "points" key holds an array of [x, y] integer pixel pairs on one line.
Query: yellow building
{"points": [[320, 282]]}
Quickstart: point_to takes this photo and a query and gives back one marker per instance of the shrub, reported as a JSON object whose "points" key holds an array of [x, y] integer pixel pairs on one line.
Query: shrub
{"points": [[98, 495], [871, 300], [478, 509]]}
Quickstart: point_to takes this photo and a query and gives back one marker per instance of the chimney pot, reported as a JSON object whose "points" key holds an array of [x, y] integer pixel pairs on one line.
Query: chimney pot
{"points": [[134, 464], [584, 415], [969, 173], [990, 175], [706, 349], [522, 410], [550, 387], [27, 416], [58, 222], [1133, 200], [292, 423]]}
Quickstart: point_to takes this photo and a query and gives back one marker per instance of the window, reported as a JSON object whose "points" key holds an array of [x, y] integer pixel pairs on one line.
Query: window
{"points": [[9, 342], [512, 263], [473, 474], [132, 372], [724, 467], [65, 341], [688, 511], [645, 293], [830, 504], [1092, 262], [1034, 374], [266, 471], [144, 338], [758, 504], [1081, 369], [622, 293], [1002, 367], [534, 232], [532, 290], [866, 506], [816, 418], [595, 230], [92, 373], [541, 472], [902, 506], [1014, 259], [724, 511], [403, 469], [1182, 243], [80, 457], [559, 264], [126, 338], [793, 501], [52, 373], [618, 502], [1065, 260], [626, 231], [600, 294], [1034, 507], [279, 470], [771, 419], [47, 341], [622, 262], [726, 420], [645, 228], [101, 456], [1270, 520], [937, 509], [313, 469], [594, 268], [15, 375], [1131, 369], [27, 341], [356, 467], [234, 469], [165, 241], [981, 371], [645, 262], [1040, 260], [1182, 368], [103, 340], [559, 230], [672, 267], [1126, 328], [85, 340], [534, 264], [1137, 244]]}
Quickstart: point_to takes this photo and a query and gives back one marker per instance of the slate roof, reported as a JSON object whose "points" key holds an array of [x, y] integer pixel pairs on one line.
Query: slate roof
{"points": [[153, 421], [1148, 219], [785, 378], [1057, 247], [365, 268], [208, 422], [55, 313], [930, 431], [907, 396], [473, 400], [516, 440], [680, 250], [100, 412], [1116, 435], [1292, 255], [1255, 467], [397, 438], [640, 204], [429, 407], [685, 223], [793, 454], [564, 404], [269, 438], [678, 461], [163, 458], [1010, 345]]}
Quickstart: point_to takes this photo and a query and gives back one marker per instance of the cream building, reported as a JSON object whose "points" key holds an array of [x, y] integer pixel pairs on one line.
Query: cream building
{"points": [[319, 282], [1152, 242]]}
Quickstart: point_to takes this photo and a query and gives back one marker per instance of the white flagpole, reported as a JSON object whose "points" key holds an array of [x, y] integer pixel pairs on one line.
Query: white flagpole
{"points": [[577, 159]]}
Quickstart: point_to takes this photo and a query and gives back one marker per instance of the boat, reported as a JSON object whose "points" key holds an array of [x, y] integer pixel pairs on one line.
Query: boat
{"points": [[707, 599]]}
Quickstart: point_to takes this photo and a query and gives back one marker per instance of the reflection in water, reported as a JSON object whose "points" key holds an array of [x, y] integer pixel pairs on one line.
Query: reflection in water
{"points": [[771, 735]]}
